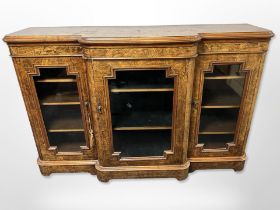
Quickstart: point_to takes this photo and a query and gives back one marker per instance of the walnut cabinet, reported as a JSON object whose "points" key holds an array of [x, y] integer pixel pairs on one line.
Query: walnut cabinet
{"points": [[150, 101]]}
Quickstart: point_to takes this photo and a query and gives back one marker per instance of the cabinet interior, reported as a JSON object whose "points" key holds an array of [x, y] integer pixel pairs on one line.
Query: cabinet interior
{"points": [[141, 103], [221, 101], [60, 106]]}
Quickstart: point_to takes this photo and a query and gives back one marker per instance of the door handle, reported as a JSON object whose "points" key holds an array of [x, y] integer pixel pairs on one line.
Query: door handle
{"points": [[195, 103], [99, 108]]}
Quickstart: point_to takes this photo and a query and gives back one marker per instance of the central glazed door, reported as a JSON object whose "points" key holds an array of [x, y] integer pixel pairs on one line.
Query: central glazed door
{"points": [[141, 110]]}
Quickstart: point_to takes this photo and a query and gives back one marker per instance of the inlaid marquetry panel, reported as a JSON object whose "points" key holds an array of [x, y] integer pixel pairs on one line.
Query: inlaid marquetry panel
{"points": [[45, 50], [185, 51], [230, 46]]}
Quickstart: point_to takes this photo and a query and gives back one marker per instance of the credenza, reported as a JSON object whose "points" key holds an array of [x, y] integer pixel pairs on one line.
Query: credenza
{"points": [[143, 101]]}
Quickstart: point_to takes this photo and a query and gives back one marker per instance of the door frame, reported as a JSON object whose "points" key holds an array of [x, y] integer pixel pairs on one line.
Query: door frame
{"points": [[27, 69], [252, 65], [100, 71]]}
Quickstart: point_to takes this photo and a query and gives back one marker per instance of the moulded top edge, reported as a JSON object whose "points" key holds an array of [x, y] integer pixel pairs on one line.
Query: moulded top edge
{"points": [[137, 34]]}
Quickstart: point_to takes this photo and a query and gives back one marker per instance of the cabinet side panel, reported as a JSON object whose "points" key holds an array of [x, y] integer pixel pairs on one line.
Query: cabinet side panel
{"points": [[31, 108], [259, 64]]}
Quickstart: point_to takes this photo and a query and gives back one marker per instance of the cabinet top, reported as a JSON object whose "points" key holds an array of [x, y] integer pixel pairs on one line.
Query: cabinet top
{"points": [[137, 34]]}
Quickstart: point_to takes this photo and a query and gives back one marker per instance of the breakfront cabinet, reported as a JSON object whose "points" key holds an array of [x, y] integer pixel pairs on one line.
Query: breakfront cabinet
{"points": [[151, 101]]}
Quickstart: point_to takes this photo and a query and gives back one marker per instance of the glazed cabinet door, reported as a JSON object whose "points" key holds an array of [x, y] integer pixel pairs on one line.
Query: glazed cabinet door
{"points": [[142, 110], [225, 89], [56, 96]]}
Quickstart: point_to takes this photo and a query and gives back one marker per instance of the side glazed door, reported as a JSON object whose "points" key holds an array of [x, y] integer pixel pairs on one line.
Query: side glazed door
{"points": [[225, 89], [55, 92]]}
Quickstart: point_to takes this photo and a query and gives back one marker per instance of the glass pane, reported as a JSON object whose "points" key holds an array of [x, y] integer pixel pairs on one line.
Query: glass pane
{"points": [[68, 141], [142, 143], [141, 112], [66, 118], [225, 70], [141, 79], [60, 105], [141, 109], [54, 73], [57, 93], [222, 92], [222, 95], [213, 141], [218, 120]]}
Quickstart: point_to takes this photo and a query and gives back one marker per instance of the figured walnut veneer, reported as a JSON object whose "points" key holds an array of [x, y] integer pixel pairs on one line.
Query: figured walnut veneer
{"points": [[93, 54]]}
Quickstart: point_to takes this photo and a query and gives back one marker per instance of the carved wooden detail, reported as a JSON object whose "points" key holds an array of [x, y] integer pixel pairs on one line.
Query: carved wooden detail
{"points": [[180, 172]]}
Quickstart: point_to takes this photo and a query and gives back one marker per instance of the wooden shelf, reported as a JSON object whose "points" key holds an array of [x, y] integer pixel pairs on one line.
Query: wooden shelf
{"points": [[127, 90], [216, 132], [142, 128], [224, 77], [220, 107], [63, 120], [61, 98], [219, 94], [65, 130], [157, 120], [221, 99], [59, 103], [140, 87], [56, 80], [217, 124]]}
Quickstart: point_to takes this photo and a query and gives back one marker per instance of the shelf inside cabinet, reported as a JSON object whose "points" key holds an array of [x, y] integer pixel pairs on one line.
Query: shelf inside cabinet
{"points": [[58, 93], [218, 121], [65, 119], [122, 128], [157, 120], [61, 98], [223, 77], [141, 110], [220, 99], [137, 89], [222, 93], [56, 80], [141, 88]]}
